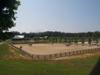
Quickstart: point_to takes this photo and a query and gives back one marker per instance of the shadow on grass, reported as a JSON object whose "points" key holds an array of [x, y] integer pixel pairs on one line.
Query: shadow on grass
{"points": [[96, 69]]}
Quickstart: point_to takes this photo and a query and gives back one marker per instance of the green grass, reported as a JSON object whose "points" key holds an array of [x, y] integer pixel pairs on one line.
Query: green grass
{"points": [[78, 66], [65, 67], [4, 50], [8, 52]]}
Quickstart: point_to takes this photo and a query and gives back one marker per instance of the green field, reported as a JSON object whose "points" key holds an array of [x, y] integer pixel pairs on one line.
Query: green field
{"points": [[78, 66]]}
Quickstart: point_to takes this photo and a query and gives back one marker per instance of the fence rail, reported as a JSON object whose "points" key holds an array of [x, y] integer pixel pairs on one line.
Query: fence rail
{"points": [[58, 55]]}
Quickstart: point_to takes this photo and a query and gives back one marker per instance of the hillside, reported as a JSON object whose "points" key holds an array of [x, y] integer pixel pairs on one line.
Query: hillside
{"points": [[12, 63], [8, 52]]}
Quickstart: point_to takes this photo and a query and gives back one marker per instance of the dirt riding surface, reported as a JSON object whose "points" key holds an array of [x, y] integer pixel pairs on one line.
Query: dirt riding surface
{"points": [[45, 49]]}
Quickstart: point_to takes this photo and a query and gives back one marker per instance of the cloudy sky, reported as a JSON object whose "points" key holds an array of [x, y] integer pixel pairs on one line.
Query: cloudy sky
{"points": [[58, 15]]}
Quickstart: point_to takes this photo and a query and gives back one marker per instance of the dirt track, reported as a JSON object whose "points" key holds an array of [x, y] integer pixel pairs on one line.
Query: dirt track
{"points": [[45, 49]]}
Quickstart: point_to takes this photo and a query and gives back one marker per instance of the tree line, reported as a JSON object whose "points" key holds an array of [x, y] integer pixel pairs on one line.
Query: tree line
{"points": [[63, 34], [59, 37]]}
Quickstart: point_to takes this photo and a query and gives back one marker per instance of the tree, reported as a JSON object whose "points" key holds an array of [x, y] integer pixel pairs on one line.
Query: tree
{"points": [[97, 41], [69, 41], [83, 41], [7, 14], [89, 41], [76, 41]]}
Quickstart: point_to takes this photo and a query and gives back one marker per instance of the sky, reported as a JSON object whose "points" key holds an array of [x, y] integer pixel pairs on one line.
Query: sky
{"points": [[58, 15]]}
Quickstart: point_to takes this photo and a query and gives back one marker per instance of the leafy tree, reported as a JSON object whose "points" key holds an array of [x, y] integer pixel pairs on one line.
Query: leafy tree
{"points": [[69, 41], [7, 14], [97, 41], [89, 41], [76, 41], [83, 41]]}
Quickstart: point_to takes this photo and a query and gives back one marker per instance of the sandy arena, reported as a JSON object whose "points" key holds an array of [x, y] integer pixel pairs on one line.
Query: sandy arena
{"points": [[45, 49]]}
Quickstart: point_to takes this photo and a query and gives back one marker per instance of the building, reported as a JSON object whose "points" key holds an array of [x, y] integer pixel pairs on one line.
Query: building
{"points": [[18, 37]]}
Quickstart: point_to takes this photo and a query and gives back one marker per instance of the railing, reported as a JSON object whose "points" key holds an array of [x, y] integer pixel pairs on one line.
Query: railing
{"points": [[58, 55]]}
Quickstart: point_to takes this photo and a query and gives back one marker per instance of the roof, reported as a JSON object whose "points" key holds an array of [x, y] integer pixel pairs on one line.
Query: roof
{"points": [[18, 37]]}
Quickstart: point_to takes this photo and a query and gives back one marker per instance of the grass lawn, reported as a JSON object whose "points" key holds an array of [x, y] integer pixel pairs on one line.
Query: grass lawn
{"points": [[78, 66], [4, 51]]}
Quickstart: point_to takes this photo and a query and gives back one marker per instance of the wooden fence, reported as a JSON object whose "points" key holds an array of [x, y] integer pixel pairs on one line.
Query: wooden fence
{"points": [[58, 55]]}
